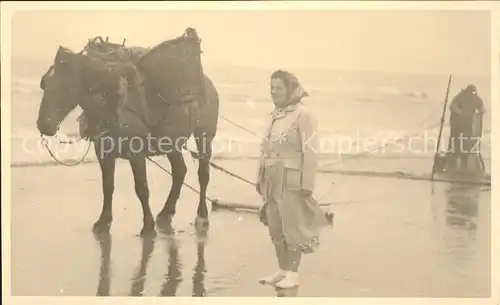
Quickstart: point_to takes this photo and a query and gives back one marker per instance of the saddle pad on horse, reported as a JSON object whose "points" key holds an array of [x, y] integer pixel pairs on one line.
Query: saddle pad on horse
{"points": [[173, 68]]}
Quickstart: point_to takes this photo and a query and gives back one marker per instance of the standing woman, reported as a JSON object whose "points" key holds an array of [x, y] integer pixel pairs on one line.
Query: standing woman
{"points": [[286, 180]]}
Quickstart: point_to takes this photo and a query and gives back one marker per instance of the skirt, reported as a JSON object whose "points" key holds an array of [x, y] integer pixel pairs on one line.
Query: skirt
{"points": [[291, 217]]}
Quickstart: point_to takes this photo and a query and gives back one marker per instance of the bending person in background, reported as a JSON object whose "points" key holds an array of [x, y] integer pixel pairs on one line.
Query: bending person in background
{"points": [[286, 180], [465, 105]]}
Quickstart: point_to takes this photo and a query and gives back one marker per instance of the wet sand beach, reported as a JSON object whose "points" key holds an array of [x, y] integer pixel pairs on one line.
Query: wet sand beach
{"points": [[391, 238]]}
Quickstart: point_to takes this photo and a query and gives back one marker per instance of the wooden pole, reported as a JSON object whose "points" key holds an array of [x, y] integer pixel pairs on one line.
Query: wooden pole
{"points": [[249, 207], [441, 128], [233, 206], [480, 138]]}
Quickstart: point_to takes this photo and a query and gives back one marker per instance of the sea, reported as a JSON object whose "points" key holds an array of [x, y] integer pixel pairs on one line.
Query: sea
{"points": [[366, 119]]}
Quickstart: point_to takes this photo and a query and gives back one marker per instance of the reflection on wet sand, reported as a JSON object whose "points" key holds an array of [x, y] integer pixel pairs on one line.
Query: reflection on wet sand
{"points": [[200, 267], [462, 205], [137, 288], [104, 241], [174, 276], [465, 247], [287, 293]]}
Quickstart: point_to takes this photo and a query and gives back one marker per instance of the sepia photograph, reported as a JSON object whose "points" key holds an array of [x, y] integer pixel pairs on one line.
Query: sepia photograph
{"points": [[241, 149]]}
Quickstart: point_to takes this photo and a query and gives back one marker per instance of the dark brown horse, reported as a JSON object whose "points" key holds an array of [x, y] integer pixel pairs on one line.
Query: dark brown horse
{"points": [[145, 125]]}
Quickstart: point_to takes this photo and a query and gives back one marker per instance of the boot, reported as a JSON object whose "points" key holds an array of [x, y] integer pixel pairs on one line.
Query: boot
{"points": [[273, 278], [291, 280]]}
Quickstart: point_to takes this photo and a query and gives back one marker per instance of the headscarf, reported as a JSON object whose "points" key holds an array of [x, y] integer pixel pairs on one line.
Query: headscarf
{"points": [[295, 90], [295, 93]]}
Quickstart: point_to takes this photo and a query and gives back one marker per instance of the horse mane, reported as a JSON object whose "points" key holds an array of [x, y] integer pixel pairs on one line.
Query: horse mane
{"points": [[96, 74]]}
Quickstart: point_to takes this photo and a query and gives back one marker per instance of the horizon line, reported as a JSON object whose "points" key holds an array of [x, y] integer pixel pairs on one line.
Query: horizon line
{"points": [[217, 64]]}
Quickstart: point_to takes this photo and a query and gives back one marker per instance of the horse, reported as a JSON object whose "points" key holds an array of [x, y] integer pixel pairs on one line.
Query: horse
{"points": [[76, 79]]}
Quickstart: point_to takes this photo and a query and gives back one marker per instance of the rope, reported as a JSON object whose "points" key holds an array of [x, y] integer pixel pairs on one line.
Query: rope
{"points": [[70, 141], [368, 151], [189, 186], [45, 143], [363, 153], [374, 149], [195, 155], [239, 126], [218, 167]]}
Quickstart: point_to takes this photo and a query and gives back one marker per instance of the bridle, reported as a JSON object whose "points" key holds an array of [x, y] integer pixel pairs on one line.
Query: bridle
{"points": [[89, 138], [44, 140]]}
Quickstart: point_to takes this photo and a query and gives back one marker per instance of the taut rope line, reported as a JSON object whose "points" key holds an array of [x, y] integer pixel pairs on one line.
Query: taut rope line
{"points": [[189, 186], [368, 151]]}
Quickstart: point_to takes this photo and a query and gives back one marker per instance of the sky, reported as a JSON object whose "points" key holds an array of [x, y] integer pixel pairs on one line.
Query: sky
{"points": [[437, 42]]}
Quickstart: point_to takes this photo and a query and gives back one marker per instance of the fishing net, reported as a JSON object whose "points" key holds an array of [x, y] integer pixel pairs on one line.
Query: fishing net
{"points": [[112, 52], [122, 60]]}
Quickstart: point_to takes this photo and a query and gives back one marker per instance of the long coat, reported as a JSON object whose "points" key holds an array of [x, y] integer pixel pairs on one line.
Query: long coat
{"points": [[288, 163], [465, 111]]}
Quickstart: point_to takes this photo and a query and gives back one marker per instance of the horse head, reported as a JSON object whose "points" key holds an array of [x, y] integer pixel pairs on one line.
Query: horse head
{"points": [[61, 88]]}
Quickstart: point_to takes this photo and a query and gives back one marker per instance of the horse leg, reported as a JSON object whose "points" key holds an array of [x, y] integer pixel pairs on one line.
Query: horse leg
{"points": [[179, 171], [204, 146], [107, 165], [138, 165]]}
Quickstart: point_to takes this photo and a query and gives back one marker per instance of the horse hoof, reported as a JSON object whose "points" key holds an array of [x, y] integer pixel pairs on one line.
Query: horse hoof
{"points": [[164, 224], [166, 230], [148, 232], [329, 217], [201, 224], [199, 220], [100, 227], [164, 218]]}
